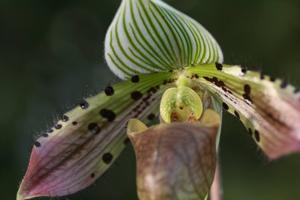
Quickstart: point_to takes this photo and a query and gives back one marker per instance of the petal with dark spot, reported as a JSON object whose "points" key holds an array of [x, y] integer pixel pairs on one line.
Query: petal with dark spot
{"points": [[63, 162], [270, 111]]}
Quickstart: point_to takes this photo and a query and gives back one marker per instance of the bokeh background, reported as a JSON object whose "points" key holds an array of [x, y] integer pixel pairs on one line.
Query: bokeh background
{"points": [[51, 56]]}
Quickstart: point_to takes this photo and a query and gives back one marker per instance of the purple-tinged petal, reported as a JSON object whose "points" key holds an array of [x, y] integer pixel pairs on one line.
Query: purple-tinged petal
{"points": [[84, 144], [269, 108]]}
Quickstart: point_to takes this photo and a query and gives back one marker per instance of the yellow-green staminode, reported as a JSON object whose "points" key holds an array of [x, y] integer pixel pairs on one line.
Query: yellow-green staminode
{"points": [[180, 104]]}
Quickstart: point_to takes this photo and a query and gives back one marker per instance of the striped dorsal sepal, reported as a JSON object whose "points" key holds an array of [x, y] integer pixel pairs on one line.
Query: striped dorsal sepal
{"points": [[149, 36]]}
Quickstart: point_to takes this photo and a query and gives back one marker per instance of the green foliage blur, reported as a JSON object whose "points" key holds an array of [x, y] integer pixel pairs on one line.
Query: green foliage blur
{"points": [[51, 56]]}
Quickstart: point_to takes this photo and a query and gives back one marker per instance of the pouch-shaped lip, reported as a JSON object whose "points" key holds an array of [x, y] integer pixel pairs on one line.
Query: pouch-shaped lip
{"points": [[174, 161]]}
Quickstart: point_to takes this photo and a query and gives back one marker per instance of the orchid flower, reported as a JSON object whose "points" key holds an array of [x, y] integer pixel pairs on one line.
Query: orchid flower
{"points": [[172, 69]]}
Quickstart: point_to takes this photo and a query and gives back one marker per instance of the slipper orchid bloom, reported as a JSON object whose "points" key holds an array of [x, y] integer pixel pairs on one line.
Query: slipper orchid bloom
{"points": [[172, 69]]}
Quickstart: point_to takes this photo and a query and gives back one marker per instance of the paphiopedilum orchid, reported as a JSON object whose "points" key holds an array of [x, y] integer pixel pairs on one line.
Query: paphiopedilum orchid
{"points": [[172, 69]]}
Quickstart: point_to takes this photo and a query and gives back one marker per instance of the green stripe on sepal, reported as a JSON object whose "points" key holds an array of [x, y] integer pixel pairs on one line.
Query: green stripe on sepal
{"points": [[149, 36]]}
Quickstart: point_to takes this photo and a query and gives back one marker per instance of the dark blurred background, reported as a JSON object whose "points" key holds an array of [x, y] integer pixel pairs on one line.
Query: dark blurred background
{"points": [[51, 55]]}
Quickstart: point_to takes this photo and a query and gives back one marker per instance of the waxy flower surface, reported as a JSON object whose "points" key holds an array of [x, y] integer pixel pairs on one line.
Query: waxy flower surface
{"points": [[172, 69]]}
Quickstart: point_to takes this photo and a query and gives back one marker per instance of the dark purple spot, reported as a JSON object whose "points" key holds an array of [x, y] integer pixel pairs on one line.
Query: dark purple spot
{"points": [[37, 144], [219, 66], [94, 128], [84, 104], [135, 79], [262, 76], [74, 123], [225, 106], [244, 70], [50, 130], [92, 175], [58, 126], [136, 95], [107, 158], [109, 91], [45, 135], [108, 114], [256, 136], [65, 118]]}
